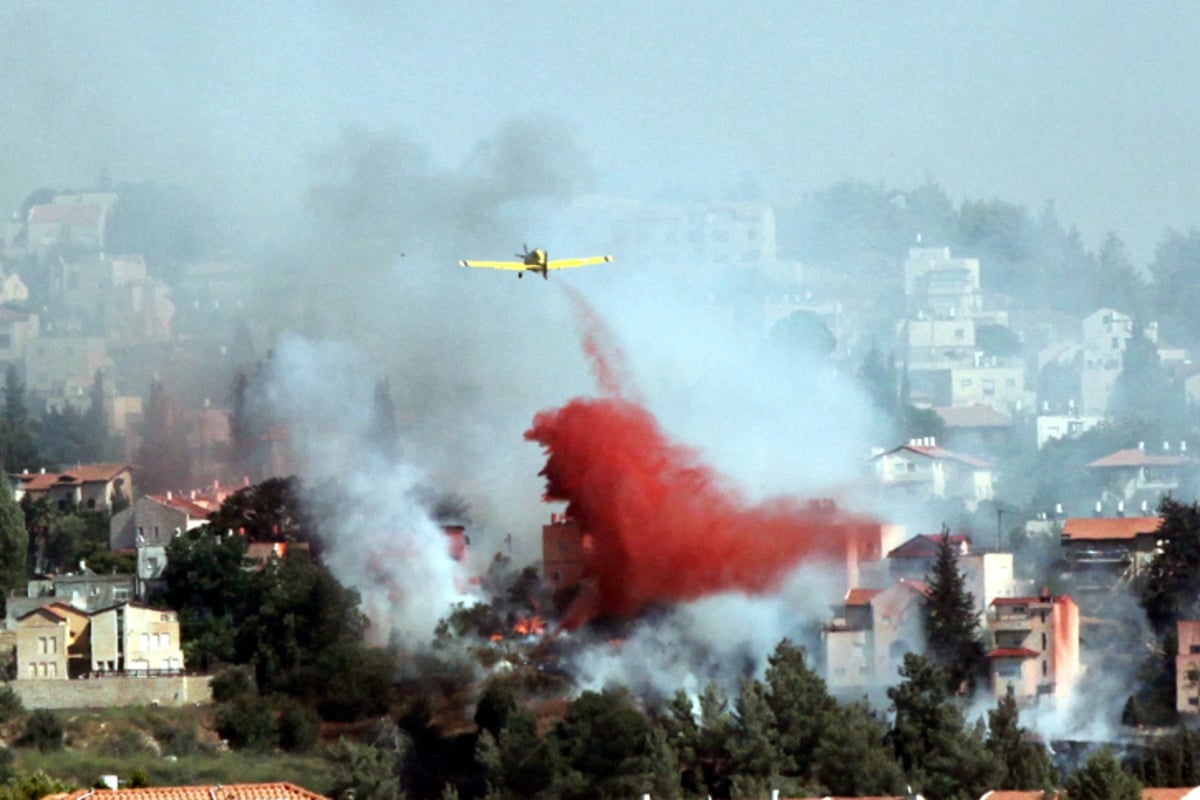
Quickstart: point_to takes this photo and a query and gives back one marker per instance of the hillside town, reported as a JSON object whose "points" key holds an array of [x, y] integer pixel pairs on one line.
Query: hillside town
{"points": [[135, 421]]}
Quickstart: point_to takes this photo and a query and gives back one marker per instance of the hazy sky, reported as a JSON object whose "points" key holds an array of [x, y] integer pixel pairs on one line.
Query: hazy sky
{"points": [[1091, 104]]}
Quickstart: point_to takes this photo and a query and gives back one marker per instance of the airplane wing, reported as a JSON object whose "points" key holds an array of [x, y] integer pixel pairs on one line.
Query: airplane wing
{"points": [[513, 265], [563, 263]]}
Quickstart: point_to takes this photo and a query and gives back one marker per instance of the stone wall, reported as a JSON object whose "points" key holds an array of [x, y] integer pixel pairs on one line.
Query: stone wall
{"points": [[122, 691]]}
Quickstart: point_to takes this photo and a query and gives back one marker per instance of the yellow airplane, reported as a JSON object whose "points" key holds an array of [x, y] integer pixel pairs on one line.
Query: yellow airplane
{"points": [[537, 261]]}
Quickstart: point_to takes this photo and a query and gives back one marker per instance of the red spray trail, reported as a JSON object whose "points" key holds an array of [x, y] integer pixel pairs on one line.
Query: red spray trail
{"points": [[665, 527]]}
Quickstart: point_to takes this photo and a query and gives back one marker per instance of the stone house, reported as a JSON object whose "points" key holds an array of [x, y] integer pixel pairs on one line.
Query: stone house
{"points": [[58, 641], [90, 487]]}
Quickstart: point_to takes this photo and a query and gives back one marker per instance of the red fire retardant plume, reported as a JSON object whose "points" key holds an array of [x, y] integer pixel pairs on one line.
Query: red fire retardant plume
{"points": [[664, 527]]}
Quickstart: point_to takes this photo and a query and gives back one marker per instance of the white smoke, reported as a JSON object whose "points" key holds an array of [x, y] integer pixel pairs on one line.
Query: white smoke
{"points": [[381, 541], [719, 638]]}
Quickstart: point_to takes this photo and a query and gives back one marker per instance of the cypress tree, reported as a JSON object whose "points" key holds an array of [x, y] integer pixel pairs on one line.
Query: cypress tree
{"points": [[951, 621]]}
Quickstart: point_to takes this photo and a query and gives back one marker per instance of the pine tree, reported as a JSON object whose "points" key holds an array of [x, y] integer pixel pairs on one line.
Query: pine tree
{"points": [[801, 703], [853, 759], [18, 432], [14, 544], [1102, 778], [755, 757], [941, 755], [951, 622], [96, 443], [1026, 764], [1171, 583]]}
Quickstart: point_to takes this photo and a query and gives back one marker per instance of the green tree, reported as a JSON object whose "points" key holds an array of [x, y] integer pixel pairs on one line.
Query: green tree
{"points": [[206, 582], [495, 706], [1026, 764], [853, 758], [270, 511], [519, 763], [941, 755], [801, 704], [754, 755], [33, 786], [249, 723], [295, 610], [97, 442], [299, 728], [14, 544], [64, 539], [951, 622], [367, 771], [10, 703], [44, 730], [677, 721], [1118, 284], [1143, 391], [610, 749], [1102, 778], [1171, 583], [18, 432], [1176, 291]]}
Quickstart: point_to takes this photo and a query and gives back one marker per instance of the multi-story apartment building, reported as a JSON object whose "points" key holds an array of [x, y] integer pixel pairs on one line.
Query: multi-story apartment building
{"points": [[1034, 647]]}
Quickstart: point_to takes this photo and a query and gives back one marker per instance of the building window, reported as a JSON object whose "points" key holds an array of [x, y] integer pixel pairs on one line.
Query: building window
{"points": [[1045, 669], [1043, 641], [1008, 669]]}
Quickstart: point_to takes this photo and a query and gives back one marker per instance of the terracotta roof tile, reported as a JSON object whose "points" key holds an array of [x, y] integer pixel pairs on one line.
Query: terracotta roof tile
{"points": [[86, 473], [860, 597], [1097, 528], [233, 791], [1012, 652], [1136, 457], [1167, 793]]}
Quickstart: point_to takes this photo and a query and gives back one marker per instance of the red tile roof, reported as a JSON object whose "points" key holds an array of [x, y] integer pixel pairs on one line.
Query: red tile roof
{"points": [[1108, 528], [190, 507], [1167, 793], [1012, 794], [1136, 457], [860, 597], [232, 791], [86, 473], [1012, 652]]}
